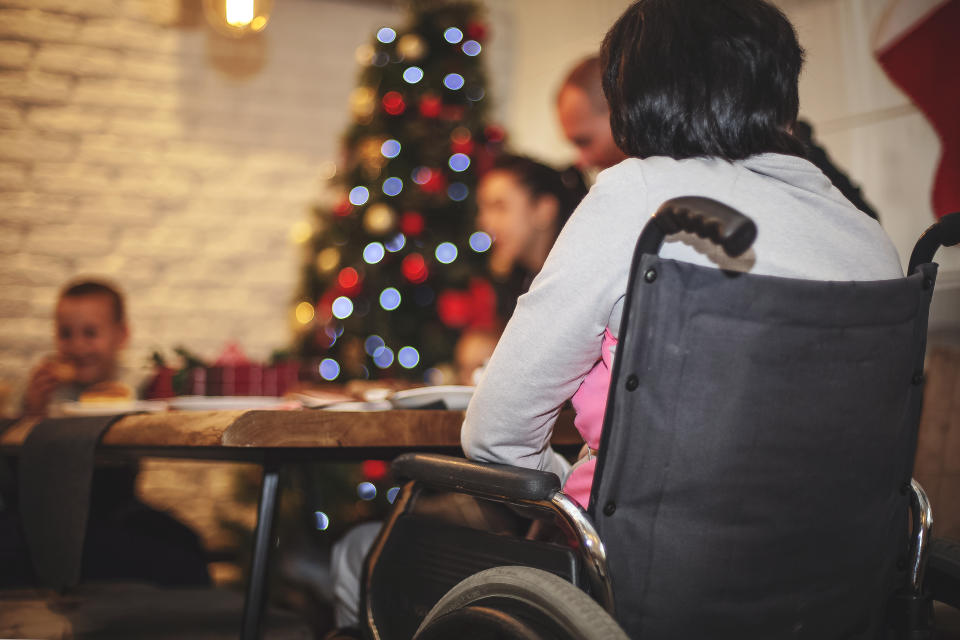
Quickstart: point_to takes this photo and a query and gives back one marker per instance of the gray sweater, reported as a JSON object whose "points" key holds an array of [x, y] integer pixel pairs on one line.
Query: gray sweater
{"points": [[806, 229]]}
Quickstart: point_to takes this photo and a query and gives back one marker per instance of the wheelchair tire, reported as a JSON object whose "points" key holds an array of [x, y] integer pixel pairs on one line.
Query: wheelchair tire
{"points": [[518, 602]]}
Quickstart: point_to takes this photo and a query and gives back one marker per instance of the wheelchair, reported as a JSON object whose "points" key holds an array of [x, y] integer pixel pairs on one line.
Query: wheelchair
{"points": [[753, 480]]}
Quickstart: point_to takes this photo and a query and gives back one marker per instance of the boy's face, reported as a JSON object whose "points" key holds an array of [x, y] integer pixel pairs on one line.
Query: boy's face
{"points": [[89, 337]]}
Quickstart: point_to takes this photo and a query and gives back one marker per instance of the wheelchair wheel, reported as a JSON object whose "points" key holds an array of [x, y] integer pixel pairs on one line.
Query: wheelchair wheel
{"points": [[518, 602]]}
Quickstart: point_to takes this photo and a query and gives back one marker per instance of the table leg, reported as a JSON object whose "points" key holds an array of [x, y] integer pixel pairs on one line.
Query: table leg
{"points": [[253, 606]]}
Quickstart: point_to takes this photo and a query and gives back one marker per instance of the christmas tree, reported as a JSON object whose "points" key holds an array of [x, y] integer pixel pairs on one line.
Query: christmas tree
{"points": [[390, 279]]}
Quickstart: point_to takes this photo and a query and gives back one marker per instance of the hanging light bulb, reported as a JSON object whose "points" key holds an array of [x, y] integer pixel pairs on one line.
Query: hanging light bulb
{"points": [[238, 18]]}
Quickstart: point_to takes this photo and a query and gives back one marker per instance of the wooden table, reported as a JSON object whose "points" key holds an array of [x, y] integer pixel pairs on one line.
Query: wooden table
{"points": [[272, 438]]}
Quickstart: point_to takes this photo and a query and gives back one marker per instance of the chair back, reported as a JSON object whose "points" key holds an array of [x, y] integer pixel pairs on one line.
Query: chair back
{"points": [[757, 452]]}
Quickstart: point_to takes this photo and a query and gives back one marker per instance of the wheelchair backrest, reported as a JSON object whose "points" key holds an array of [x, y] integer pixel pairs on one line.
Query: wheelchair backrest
{"points": [[757, 451]]}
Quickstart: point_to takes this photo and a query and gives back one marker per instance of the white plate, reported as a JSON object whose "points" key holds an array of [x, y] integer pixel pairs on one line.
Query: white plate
{"points": [[455, 397], [228, 403], [382, 405], [111, 408]]}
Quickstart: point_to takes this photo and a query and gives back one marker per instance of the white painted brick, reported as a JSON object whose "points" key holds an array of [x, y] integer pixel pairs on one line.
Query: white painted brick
{"points": [[74, 240], [67, 119], [11, 241], [123, 92], [13, 175], [122, 150], [11, 116], [149, 66], [21, 330], [162, 12], [77, 60], [28, 145], [32, 24], [34, 86], [85, 8], [27, 269], [128, 34], [150, 125], [15, 55], [66, 178]]}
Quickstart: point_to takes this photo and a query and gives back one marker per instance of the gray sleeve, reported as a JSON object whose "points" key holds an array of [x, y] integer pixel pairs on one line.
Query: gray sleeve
{"points": [[554, 337]]}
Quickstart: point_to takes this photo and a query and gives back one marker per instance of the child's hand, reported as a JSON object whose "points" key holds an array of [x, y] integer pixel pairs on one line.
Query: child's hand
{"points": [[43, 382]]}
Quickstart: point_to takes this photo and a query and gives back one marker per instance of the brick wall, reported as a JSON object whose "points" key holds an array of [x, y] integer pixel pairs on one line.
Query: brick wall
{"points": [[137, 144]]}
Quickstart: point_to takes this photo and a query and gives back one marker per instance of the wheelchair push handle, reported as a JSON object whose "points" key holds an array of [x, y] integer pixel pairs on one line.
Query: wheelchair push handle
{"points": [[943, 233], [724, 226]]}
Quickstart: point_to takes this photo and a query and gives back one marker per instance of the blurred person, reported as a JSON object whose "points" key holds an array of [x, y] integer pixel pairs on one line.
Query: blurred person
{"points": [[125, 539], [90, 332], [523, 204], [585, 117]]}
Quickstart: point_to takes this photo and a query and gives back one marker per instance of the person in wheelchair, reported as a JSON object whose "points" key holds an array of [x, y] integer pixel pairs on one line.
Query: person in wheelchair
{"points": [[703, 97], [745, 358]]}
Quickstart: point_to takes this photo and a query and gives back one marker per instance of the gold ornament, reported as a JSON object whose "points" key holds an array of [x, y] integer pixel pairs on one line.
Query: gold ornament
{"points": [[369, 153], [411, 47], [379, 219], [328, 260], [362, 103]]}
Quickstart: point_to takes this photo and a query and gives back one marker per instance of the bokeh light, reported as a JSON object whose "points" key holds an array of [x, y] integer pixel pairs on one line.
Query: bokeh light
{"points": [[453, 35], [383, 357], [392, 186], [390, 148], [329, 369], [475, 94], [471, 47], [300, 232], [457, 191], [408, 357], [453, 81], [480, 241], [459, 162], [304, 312], [395, 243], [321, 520], [386, 35], [446, 252], [390, 298], [342, 307], [367, 490], [348, 278], [392, 494], [372, 343], [373, 253], [414, 268], [413, 75], [421, 175], [359, 196]]}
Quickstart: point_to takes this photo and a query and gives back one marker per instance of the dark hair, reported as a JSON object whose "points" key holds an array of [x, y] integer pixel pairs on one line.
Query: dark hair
{"points": [[539, 180], [687, 78], [83, 288]]}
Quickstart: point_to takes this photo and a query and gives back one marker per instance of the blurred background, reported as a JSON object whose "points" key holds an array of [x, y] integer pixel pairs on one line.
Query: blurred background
{"points": [[139, 142]]}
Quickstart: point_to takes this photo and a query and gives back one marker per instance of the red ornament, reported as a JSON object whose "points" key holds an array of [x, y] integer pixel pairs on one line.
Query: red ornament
{"points": [[348, 279], [430, 105], [411, 223], [494, 133], [437, 183], [393, 103], [374, 469], [462, 147], [484, 300], [414, 268], [342, 208], [477, 31], [453, 307]]}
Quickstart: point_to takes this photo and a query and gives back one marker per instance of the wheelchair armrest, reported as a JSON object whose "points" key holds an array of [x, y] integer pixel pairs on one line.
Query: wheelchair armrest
{"points": [[477, 478]]}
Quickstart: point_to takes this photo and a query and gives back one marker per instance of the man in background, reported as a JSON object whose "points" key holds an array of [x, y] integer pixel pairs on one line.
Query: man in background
{"points": [[585, 120]]}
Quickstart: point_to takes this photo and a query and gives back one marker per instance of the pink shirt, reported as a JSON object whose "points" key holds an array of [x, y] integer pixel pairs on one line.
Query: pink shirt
{"points": [[590, 403]]}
